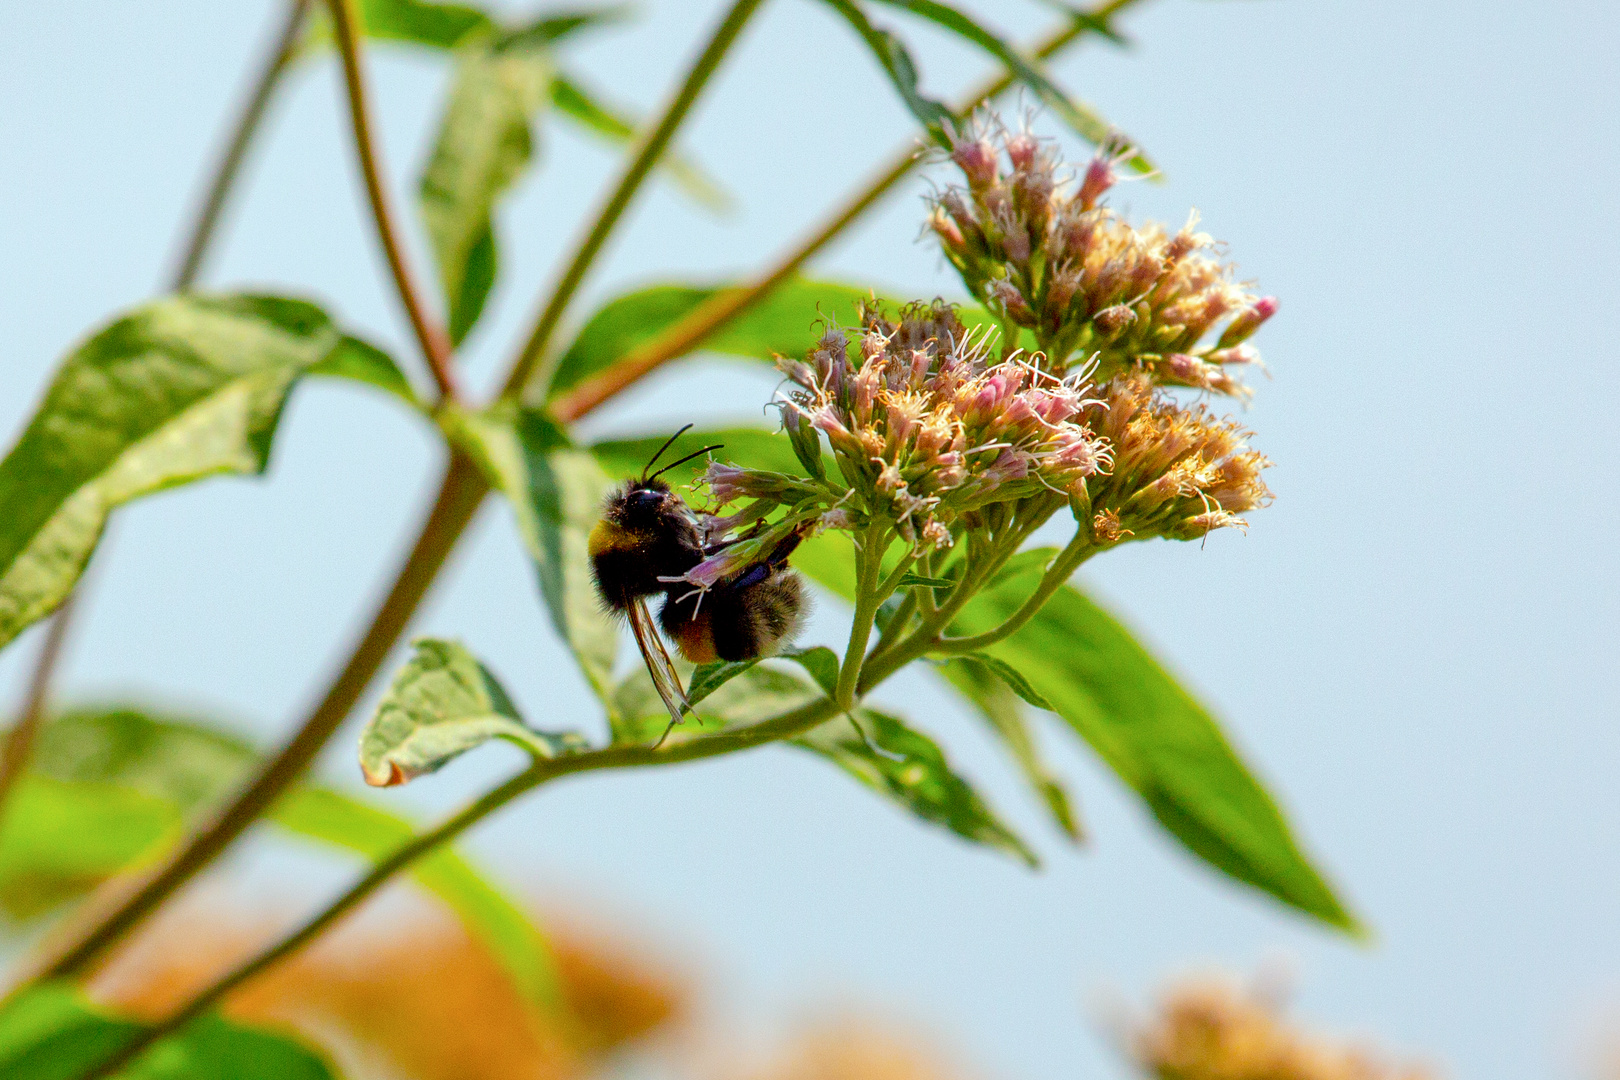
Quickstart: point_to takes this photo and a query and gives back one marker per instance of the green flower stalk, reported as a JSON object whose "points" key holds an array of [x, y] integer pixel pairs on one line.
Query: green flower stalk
{"points": [[1046, 256]]}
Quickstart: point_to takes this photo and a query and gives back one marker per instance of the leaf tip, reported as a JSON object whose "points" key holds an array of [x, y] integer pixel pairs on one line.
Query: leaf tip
{"points": [[392, 776]]}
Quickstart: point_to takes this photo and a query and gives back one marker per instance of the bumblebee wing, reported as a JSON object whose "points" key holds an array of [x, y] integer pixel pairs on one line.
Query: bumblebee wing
{"points": [[662, 669]]}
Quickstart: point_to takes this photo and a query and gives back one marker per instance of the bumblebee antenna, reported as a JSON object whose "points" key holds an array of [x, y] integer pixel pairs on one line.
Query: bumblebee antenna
{"points": [[684, 460], [667, 444]]}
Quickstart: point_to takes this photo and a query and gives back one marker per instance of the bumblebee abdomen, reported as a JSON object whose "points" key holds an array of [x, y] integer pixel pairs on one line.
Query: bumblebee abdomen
{"points": [[733, 622], [757, 620]]}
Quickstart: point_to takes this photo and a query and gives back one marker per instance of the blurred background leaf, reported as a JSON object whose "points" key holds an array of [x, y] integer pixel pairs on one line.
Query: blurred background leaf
{"points": [[113, 787], [51, 1033], [908, 767], [1155, 736]]}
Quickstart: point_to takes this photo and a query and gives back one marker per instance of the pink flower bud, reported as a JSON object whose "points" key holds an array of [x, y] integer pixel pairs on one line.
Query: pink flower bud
{"points": [[1005, 294], [726, 482], [1015, 242], [797, 371], [1247, 322], [1022, 150], [977, 160], [1099, 178]]}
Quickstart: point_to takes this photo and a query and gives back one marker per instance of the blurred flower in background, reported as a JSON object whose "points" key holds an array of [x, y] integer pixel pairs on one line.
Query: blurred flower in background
{"points": [[403, 991]]}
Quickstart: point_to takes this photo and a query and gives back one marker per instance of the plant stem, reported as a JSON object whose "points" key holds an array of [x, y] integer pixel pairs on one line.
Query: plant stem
{"points": [[653, 145], [230, 163], [787, 725], [205, 224], [867, 601], [1063, 567], [897, 624], [702, 321], [460, 494], [430, 336], [19, 744]]}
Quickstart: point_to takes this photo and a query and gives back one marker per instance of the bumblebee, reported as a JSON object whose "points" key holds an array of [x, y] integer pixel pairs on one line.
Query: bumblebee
{"points": [[646, 540]]}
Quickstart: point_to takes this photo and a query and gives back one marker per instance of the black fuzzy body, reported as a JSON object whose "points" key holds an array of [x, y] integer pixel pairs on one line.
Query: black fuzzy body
{"points": [[646, 533]]}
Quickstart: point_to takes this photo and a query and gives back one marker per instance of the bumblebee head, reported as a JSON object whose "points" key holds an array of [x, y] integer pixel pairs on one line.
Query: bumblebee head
{"points": [[643, 506]]}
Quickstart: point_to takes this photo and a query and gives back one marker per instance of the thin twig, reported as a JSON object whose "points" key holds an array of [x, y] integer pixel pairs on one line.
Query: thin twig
{"points": [[230, 163], [19, 744], [430, 336], [651, 148], [724, 307], [460, 494], [1060, 571], [787, 725]]}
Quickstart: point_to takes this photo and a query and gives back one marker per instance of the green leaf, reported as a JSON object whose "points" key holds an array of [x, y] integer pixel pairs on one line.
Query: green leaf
{"points": [[50, 1032], [909, 767], [180, 389], [358, 361], [1155, 736], [437, 26], [892, 56], [483, 145], [556, 495], [907, 580], [1011, 676], [820, 662], [501, 925], [443, 703], [789, 320], [991, 698], [707, 678], [115, 781], [555, 27], [181, 760], [572, 100], [757, 693], [59, 840], [1083, 120], [1089, 21]]}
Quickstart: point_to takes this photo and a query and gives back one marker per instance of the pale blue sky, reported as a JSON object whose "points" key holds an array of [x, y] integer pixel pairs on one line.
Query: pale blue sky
{"points": [[1415, 645]]}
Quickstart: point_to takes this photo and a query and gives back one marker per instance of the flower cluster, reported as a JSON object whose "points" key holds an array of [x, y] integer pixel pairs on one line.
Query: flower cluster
{"points": [[928, 427], [925, 425], [1178, 472], [1210, 1030], [1044, 255]]}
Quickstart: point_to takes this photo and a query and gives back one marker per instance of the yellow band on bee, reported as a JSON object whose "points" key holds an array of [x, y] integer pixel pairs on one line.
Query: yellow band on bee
{"points": [[606, 536]]}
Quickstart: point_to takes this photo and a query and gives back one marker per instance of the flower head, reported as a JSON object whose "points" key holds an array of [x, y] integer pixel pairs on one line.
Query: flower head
{"points": [[1044, 254], [926, 424], [1179, 471], [1212, 1030]]}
